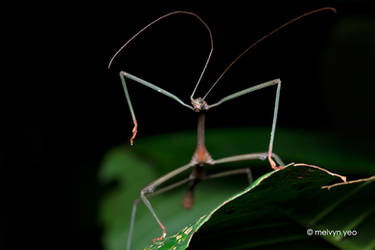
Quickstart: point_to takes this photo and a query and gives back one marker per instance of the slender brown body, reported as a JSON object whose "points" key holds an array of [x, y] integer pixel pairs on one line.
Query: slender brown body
{"points": [[201, 157]]}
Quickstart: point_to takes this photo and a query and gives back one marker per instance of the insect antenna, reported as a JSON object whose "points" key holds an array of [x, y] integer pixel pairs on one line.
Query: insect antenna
{"points": [[157, 20], [262, 38]]}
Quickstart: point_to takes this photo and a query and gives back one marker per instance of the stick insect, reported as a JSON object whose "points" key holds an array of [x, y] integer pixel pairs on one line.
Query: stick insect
{"points": [[201, 157]]}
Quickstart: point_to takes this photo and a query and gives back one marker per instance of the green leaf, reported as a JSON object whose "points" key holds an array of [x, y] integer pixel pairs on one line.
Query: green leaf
{"points": [[264, 217], [267, 209]]}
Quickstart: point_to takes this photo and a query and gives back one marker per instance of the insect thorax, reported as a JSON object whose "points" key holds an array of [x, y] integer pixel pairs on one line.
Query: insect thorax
{"points": [[199, 104]]}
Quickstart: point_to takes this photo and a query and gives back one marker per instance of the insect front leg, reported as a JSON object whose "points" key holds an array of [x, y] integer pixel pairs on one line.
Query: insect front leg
{"points": [[274, 120], [276, 108], [124, 75]]}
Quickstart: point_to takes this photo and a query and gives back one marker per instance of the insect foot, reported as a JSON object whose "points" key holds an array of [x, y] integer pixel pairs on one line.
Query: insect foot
{"points": [[161, 237]]}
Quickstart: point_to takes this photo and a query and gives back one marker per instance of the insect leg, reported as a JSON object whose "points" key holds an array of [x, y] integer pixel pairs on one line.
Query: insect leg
{"points": [[246, 171], [252, 156], [132, 218], [124, 75], [149, 191], [252, 89], [274, 120], [245, 91]]}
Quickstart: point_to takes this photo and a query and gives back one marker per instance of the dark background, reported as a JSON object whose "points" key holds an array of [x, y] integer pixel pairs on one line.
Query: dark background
{"points": [[69, 109]]}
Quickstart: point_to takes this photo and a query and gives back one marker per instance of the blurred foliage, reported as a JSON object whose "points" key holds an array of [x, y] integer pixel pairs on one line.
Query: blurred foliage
{"points": [[346, 77], [126, 170]]}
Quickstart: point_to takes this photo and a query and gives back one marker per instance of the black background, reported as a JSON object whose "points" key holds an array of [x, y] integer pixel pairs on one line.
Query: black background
{"points": [[68, 109]]}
